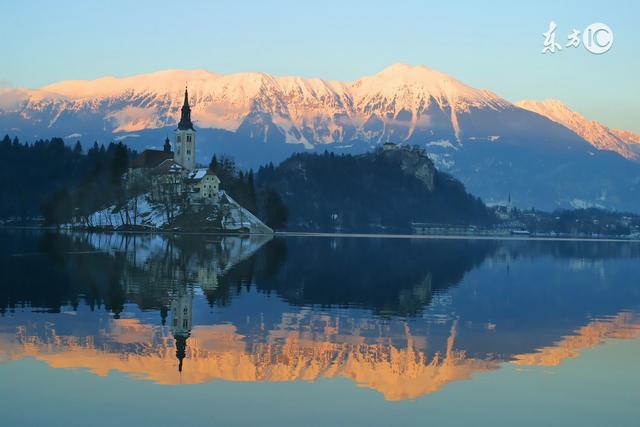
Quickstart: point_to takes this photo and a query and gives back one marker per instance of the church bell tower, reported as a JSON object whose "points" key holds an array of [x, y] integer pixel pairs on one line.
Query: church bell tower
{"points": [[186, 137], [181, 321]]}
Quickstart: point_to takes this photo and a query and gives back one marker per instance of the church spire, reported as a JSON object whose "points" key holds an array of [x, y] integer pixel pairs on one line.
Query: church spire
{"points": [[181, 347], [185, 117]]}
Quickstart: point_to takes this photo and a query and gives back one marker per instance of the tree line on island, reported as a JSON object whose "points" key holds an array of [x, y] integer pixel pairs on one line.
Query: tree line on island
{"points": [[386, 190], [45, 177], [55, 181]]}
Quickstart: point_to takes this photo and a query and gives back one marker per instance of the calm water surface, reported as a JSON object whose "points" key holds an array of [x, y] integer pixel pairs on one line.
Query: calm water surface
{"points": [[107, 329]]}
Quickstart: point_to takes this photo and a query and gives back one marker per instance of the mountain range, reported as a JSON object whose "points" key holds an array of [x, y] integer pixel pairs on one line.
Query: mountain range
{"points": [[539, 153], [625, 143]]}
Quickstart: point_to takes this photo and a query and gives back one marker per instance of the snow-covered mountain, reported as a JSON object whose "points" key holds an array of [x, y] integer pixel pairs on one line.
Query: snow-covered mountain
{"points": [[493, 146], [625, 143], [397, 104]]}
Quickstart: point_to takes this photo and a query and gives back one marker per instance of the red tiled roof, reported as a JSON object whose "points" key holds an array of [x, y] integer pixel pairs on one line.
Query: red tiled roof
{"points": [[151, 158], [168, 166]]}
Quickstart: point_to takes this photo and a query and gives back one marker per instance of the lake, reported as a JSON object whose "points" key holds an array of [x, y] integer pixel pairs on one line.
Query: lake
{"points": [[134, 329]]}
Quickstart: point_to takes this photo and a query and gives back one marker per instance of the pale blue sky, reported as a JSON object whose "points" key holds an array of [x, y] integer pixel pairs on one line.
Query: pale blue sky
{"points": [[494, 45]]}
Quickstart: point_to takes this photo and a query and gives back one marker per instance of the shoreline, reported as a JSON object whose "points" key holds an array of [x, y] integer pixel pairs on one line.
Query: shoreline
{"points": [[465, 236], [456, 237]]}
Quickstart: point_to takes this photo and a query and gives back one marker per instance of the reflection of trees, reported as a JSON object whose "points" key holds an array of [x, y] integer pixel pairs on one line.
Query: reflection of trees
{"points": [[36, 271], [399, 355], [391, 276], [52, 270], [394, 277]]}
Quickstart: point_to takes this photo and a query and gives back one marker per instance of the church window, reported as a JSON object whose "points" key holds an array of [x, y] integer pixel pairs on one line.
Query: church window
{"points": [[185, 311], [185, 323], [179, 139], [188, 138], [189, 152]]}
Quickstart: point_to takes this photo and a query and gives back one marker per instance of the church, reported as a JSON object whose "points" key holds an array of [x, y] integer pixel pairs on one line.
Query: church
{"points": [[185, 154], [173, 176]]}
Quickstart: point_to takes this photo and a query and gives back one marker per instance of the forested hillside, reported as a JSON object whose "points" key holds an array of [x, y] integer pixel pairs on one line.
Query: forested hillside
{"points": [[34, 177], [383, 190]]}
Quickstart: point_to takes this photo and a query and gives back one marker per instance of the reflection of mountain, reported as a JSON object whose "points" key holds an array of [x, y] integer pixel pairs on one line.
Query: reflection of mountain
{"points": [[625, 325], [219, 352], [403, 317]]}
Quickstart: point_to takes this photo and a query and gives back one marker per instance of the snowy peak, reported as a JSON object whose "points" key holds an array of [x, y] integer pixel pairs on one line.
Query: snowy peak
{"points": [[399, 103], [402, 103], [14, 99], [419, 98], [415, 75], [491, 145], [421, 83], [557, 111], [627, 135], [625, 143], [166, 81]]}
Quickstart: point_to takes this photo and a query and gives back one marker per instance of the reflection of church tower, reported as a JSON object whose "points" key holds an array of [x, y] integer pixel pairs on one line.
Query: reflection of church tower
{"points": [[185, 149], [181, 307]]}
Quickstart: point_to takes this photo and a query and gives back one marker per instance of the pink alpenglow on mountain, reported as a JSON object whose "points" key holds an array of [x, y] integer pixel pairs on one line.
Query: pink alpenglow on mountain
{"points": [[625, 143], [390, 105]]}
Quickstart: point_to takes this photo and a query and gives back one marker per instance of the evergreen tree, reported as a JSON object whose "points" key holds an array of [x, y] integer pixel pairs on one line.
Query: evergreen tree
{"points": [[77, 149], [6, 142], [275, 212], [251, 189], [119, 162], [49, 178], [213, 165]]}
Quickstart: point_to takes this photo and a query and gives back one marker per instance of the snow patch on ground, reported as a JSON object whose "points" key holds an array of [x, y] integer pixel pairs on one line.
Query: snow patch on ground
{"points": [[145, 214], [141, 212], [238, 217]]}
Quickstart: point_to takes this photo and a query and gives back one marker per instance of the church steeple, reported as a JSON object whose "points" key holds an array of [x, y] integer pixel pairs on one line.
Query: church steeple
{"points": [[181, 347], [181, 314], [185, 117], [185, 148]]}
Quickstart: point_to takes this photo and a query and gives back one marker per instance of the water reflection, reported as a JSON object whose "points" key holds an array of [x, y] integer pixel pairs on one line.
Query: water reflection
{"points": [[403, 317]]}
